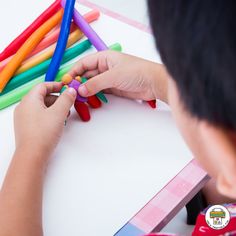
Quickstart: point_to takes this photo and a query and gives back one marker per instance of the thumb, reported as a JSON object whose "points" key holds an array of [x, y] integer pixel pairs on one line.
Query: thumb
{"points": [[65, 102], [96, 84]]}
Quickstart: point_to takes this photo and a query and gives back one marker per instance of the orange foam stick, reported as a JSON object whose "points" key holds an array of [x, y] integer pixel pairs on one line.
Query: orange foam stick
{"points": [[48, 40], [52, 37], [73, 38], [27, 48], [66, 79]]}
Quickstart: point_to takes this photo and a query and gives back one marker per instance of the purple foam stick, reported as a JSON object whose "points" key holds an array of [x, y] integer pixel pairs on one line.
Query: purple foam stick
{"points": [[75, 84], [87, 30]]}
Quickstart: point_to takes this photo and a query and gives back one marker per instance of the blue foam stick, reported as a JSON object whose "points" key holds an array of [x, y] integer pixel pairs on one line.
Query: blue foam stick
{"points": [[62, 41], [87, 30]]}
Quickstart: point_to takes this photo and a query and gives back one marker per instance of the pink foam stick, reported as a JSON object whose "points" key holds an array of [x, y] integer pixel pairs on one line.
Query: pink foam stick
{"points": [[52, 37]]}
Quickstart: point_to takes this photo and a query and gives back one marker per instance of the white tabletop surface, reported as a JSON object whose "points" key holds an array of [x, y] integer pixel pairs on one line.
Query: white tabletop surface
{"points": [[103, 171]]}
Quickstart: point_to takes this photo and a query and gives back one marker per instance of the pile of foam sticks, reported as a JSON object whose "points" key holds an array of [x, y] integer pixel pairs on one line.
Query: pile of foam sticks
{"points": [[49, 42]]}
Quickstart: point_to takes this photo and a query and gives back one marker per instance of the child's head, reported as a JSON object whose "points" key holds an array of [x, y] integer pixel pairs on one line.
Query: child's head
{"points": [[197, 43]]}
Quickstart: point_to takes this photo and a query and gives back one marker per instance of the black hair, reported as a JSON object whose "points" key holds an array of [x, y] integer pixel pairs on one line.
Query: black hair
{"points": [[197, 43]]}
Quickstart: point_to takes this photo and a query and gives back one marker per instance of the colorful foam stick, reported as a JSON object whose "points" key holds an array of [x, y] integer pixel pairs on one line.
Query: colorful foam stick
{"points": [[75, 84], [152, 103], [82, 110], [78, 78], [73, 38], [94, 102], [87, 30], [66, 79], [62, 41], [27, 47], [47, 41], [91, 34], [17, 94], [42, 68], [80, 105], [16, 43], [52, 37], [63, 89]]}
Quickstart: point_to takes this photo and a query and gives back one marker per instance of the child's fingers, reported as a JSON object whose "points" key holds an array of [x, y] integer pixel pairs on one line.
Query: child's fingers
{"points": [[121, 93], [53, 87], [42, 90], [96, 84], [90, 74], [92, 62], [63, 104]]}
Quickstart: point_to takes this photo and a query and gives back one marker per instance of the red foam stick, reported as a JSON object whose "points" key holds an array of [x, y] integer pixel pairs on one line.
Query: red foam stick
{"points": [[82, 110], [152, 104], [17, 42], [94, 102]]}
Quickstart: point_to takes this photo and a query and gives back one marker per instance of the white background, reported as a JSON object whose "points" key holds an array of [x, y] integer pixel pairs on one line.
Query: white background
{"points": [[103, 171]]}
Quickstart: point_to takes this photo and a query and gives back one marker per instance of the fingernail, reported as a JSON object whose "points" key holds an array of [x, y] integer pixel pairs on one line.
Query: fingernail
{"points": [[83, 91], [72, 91]]}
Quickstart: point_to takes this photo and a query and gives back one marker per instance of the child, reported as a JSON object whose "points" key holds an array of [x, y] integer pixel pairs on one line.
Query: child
{"points": [[196, 40]]}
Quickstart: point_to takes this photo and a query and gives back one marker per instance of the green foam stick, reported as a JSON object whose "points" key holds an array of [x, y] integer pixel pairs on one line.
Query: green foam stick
{"points": [[100, 95], [17, 94], [41, 68]]}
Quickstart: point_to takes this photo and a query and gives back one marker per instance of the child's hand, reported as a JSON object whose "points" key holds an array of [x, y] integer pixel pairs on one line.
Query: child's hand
{"points": [[122, 75], [39, 118]]}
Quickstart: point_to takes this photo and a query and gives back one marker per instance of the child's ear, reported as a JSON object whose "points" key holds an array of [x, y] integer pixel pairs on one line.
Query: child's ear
{"points": [[226, 186], [220, 148]]}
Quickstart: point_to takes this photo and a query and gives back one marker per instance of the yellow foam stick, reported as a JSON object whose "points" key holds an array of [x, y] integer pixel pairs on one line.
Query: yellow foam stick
{"points": [[10, 69], [73, 38], [78, 78]]}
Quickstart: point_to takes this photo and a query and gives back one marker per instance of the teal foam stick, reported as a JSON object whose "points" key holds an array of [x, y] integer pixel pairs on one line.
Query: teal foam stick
{"points": [[100, 95], [17, 94], [63, 89], [41, 68]]}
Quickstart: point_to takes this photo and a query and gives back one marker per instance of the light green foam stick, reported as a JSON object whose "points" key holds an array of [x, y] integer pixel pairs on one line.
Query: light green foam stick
{"points": [[17, 94]]}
